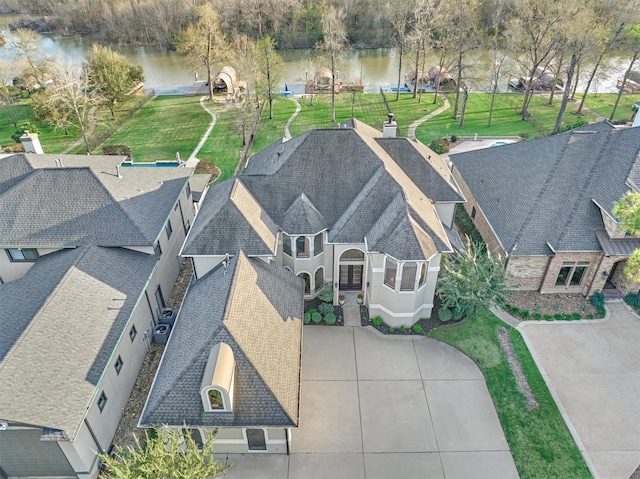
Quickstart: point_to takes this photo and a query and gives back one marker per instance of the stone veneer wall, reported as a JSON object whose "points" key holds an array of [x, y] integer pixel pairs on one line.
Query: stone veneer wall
{"points": [[586, 287], [621, 282], [614, 229], [526, 272], [480, 222]]}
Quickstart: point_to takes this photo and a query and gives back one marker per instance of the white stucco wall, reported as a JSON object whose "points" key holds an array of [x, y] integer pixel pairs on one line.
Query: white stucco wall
{"points": [[12, 270], [446, 212]]}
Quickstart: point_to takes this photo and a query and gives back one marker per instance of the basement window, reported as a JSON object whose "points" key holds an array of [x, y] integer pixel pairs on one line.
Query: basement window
{"points": [[102, 401]]}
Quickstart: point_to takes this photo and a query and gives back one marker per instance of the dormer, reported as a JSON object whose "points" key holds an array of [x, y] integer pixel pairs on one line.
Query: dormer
{"points": [[216, 390]]}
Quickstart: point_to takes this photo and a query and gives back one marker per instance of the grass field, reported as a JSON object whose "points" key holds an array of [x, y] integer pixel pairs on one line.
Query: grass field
{"points": [[271, 130], [603, 104], [539, 439]]}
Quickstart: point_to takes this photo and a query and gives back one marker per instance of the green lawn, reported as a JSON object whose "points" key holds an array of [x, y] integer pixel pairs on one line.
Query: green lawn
{"points": [[540, 442], [603, 104], [164, 126], [52, 141], [271, 130], [505, 120]]}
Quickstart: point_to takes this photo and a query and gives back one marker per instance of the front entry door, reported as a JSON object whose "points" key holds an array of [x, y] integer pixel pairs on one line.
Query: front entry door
{"points": [[350, 277]]}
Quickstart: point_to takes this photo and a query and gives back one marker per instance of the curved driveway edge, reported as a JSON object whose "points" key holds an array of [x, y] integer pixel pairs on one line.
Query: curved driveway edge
{"points": [[593, 372]]}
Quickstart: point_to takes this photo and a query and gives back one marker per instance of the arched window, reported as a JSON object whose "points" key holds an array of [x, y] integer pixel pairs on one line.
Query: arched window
{"points": [[352, 255], [302, 247], [390, 270], [319, 278], [408, 281], [423, 274], [307, 282]]}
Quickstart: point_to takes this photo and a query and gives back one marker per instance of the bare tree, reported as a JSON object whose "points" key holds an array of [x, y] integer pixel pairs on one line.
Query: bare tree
{"points": [[33, 66], [245, 49], [204, 42], [270, 68], [402, 19], [632, 42], [334, 40]]}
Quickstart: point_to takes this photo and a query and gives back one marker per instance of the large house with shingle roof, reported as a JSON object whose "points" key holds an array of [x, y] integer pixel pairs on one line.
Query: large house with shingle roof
{"points": [[546, 205], [364, 210], [90, 256]]}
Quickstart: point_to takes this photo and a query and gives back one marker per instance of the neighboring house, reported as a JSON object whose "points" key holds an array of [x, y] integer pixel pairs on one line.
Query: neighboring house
{"points": [[363, 210], [233, 360], [90, 256], [546, 205]]}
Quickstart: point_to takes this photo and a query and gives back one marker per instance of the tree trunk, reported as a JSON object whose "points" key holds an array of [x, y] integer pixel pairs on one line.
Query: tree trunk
{"points": [[269, 86], [399, 73], [624, 82], [455, 108], [494, 91], [575, 83], [595, 68], [208, 65], [441, 64], [333, 87], [424, 59], [465, 94], [555, 81], [565, 96], [416, 83]]}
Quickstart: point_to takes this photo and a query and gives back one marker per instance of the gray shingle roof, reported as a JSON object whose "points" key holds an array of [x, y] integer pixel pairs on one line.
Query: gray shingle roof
{"points": [[61, 323], [84, 202], [255, 308], [338, 178], [538, 194]]}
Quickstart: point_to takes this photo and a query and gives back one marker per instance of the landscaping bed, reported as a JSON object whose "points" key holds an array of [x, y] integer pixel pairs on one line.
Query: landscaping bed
{"points": [[317, 305], [532, 305], [420, 328]]}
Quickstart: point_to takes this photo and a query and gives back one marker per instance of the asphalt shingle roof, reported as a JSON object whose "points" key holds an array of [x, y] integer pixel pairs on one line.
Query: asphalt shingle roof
{"points": [[84, 202], [539, 195], [255, 308], [61, 323], [339, 178]]}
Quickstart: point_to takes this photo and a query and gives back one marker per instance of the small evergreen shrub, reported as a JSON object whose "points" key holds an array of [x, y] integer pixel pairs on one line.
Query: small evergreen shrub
{"points": [[325, 293], [312, 310], [392, 330], [597, 299], [445, 314], [402, 329], [632, 299], [377, 321], [547, 317], [440, 146], [537, 316], [567, 317], [325, 308], [330, 318], [576, 316], [557, 317], [601, 311], [454, 138], [316, 317], [589, 316], [525, 314], [417, 329], [457, 314], [307, 318]]}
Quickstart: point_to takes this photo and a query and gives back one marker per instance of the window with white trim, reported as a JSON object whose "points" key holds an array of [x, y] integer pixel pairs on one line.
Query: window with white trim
{"points": [[286, 244], [408, 278], [319, 278], [317, 244], [102, 401], [423, 274], [118, 365], [390, 271], [302, 247]]}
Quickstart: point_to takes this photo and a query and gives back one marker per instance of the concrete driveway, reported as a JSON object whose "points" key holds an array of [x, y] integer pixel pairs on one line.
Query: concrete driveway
{"points": [[593, 370], [375, 406]]}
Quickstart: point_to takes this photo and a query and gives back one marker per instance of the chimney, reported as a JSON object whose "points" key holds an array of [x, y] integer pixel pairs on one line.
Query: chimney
{"points": [[31, 143], [390, 128]]}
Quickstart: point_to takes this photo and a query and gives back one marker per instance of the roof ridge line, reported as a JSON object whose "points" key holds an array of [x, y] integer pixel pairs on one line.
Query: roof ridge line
{"points": [[34, 171], [46, 302]]}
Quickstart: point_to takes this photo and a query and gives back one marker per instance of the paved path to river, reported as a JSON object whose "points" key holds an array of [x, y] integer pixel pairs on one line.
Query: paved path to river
{"points": [[411, 133], [192, 162], [287, 133]]}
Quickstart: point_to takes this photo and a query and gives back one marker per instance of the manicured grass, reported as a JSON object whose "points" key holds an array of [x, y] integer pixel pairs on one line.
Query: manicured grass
{"points": [[52, 141], [603, 104], [540, 441], [272, 130], [164, 126], [505, 121]]}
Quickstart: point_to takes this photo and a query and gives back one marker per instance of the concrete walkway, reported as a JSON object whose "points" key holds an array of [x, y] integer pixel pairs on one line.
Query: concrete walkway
{"points": [[287, 133], [375, 406], [192, 162], [592, 369], [411, 132]]}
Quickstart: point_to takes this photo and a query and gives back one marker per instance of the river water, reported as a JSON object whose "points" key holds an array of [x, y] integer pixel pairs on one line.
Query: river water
{"points": [[167, 72]]}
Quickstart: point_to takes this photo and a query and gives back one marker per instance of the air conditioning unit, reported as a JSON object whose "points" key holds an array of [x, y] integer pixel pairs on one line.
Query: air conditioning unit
{"points": [[167, 316], [161, 333]]}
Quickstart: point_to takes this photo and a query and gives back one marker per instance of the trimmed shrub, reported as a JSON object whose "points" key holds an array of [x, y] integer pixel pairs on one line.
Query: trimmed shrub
{"points": [[557, 317], [445, 314], [632, 299], [316, 317], [440, 146], [457, 314], [454, 138], [589, 316], [312, 310], [547, 317], [325, 293], [392, 330], [307, 318], [402, 329], [417, 329], [377, 321], [576, 316], [597, 299], [601, 311], [567, 317], [525, 314], [325, 308], [537, 316], [330, 318]]}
